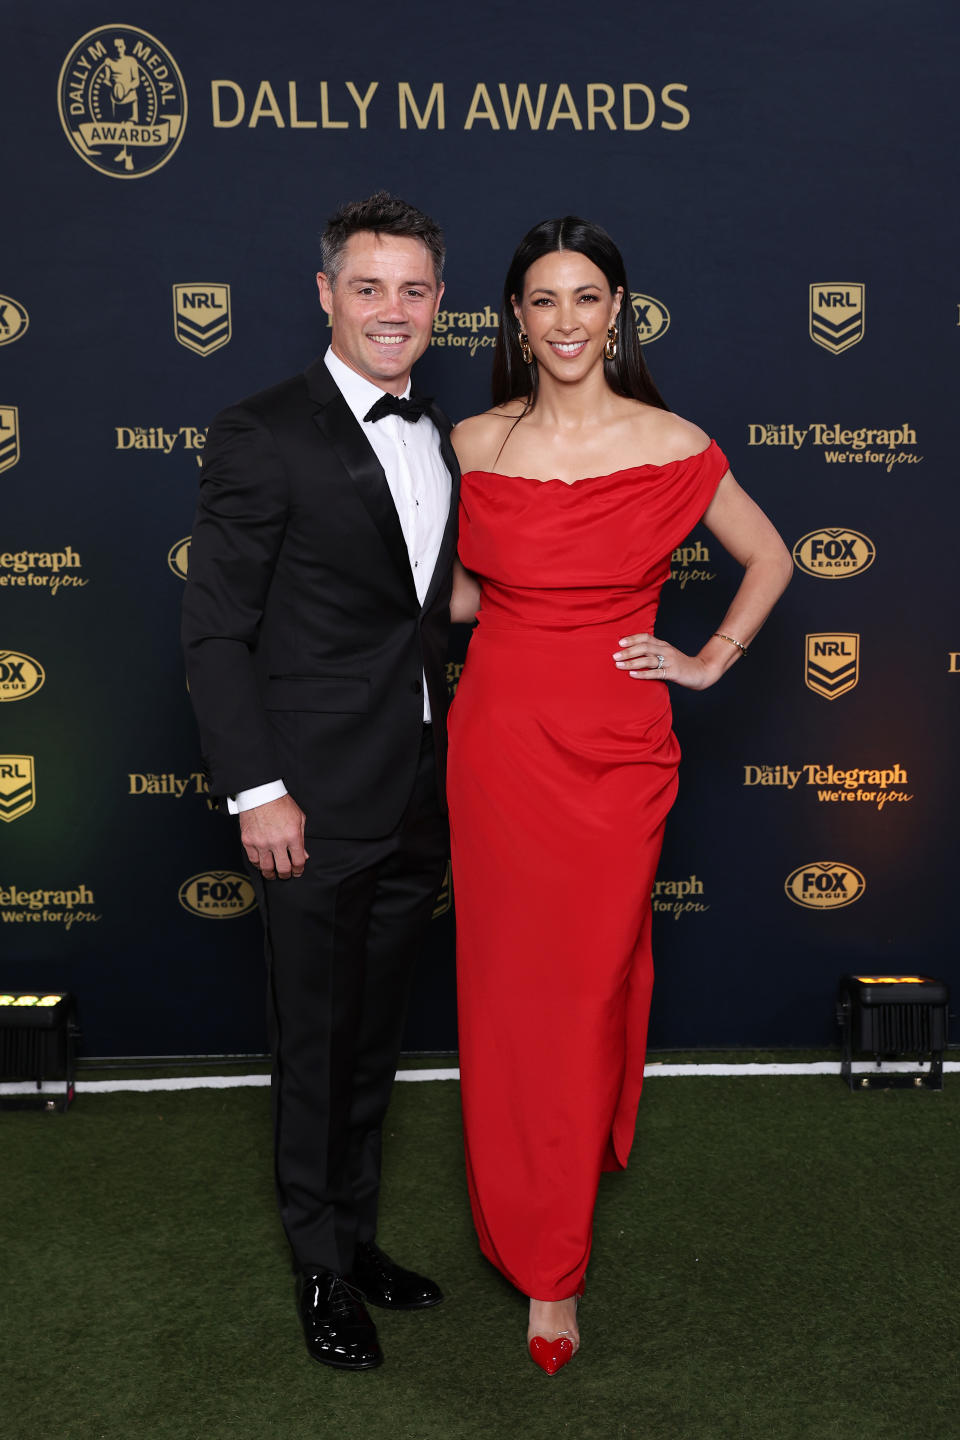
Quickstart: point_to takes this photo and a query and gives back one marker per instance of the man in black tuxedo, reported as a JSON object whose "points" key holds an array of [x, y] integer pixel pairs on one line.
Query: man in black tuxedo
{"points": [[315, 629]]}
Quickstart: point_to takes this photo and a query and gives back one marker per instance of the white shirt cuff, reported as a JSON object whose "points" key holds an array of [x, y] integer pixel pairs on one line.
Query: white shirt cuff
{"points": [[259, 795]]}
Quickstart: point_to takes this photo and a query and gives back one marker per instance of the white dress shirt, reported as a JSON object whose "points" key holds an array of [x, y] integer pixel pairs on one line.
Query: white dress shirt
{"points": [[419, 483]]}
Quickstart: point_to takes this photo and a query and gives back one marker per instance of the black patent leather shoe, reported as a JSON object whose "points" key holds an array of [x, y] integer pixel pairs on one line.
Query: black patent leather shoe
{"points": [[336, 1326], [381, 1282]]}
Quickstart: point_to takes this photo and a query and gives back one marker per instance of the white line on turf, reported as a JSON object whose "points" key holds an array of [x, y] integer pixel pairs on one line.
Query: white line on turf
{"points": [[233, 1082]]}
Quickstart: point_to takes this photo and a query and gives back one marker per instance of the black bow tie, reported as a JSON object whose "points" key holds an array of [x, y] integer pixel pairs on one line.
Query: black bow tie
{"points": [[392, 405]]}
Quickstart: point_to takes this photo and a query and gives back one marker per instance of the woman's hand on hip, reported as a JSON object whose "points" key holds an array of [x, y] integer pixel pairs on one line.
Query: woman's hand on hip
{"points": [[644, 657]]}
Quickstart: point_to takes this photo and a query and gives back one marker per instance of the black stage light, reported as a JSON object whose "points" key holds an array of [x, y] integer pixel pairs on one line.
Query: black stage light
{"points": [[893, 1017], [37, 1042]]}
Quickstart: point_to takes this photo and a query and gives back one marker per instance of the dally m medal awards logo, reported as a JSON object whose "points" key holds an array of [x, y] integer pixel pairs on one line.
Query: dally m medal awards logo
{"points": [[178, 557], [18, 791], [13, 320], [123, 103], [20, 675], [9, 437], [834, 554], [825, 885], [652, 317], [836, 314], [201, 316], [832, 664]]}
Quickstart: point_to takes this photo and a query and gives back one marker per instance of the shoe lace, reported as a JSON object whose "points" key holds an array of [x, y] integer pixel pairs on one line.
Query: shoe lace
{"points": [[344, 1299]]}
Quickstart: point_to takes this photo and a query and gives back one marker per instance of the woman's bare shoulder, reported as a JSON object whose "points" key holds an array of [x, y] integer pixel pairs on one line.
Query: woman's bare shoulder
{"points": [[479, 439], [672, 437]]}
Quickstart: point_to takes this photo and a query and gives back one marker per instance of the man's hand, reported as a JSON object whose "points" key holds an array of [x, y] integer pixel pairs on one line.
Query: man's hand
{"points": [[272, 837]]}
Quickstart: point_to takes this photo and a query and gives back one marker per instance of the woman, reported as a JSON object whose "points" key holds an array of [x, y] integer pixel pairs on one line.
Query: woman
{"points": [[577, 486]]}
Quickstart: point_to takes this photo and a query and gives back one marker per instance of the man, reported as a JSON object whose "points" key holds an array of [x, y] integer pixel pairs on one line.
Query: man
{"points": [[315, 628]]}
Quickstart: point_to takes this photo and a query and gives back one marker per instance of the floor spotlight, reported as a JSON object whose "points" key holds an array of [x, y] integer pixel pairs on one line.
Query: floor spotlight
{"points": [[893, 1018], [37, 1042]]}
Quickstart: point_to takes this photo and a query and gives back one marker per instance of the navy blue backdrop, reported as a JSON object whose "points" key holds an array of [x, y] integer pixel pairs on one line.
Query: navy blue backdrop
{"points": [[780, 180]]}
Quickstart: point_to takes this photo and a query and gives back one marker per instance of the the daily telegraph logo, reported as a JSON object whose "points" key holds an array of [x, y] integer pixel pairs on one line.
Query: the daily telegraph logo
{"points": [[470, 330], [679, 897], [835, 784], [688, 564], [217, 895], [831, 664], [21, 568], [123, 103], [652, 317], [886, 446], [178, 557], [9, 437], [13, 320], [18, 791], [201, 316], [48, 907], [837, 310], [825, 885], [20, 675], [159, 440], [834, 554], [152, 782]]}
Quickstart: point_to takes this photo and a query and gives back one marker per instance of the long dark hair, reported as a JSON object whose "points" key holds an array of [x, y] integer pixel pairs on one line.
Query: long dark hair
{"points": [[627, 373]]}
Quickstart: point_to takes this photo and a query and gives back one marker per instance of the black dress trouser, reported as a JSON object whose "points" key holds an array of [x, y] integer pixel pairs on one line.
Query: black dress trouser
{"points": [[341, 941]]}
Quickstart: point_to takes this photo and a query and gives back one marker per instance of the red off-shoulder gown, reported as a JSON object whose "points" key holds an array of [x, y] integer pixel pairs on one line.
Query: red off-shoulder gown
{"points": [[562, 772]]}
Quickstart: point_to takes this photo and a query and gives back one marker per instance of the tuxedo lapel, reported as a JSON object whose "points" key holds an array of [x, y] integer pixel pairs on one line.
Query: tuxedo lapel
{"points": [[335, 421], [448, 544]]}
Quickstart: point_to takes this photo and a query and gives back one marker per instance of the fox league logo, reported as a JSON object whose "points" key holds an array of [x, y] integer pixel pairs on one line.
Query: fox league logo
{"points": [[825, 885], [652, 317], [201, 316], [834, 554], [20, 675], [13, 320], [123, 103], [836, 314], [217, 895]]}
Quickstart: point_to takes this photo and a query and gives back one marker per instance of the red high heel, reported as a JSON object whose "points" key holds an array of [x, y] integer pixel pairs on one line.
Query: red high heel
{"points": [[551, 1355]]}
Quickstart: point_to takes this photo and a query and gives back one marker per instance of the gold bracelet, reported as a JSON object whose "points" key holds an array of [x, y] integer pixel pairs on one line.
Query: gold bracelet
{"points": [[720, 636]]}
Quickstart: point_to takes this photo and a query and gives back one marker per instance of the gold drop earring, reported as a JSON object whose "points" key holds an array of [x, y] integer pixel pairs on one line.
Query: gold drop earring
{"points": [[610, 349], [525, 350]]}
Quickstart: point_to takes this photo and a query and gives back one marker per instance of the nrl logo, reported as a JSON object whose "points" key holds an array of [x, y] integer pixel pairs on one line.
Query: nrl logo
{"points": [[652, 317], [9, 437], [201, 316], [836, 314], [832, 664], [122, 100], [18, 792], [13, 320]]}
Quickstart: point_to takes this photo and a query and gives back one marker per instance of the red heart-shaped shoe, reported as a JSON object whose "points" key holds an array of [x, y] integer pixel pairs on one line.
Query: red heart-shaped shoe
{"points": [[550, 1355]]}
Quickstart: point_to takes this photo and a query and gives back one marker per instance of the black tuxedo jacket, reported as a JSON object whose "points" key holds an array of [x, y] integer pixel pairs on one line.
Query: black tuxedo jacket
{"points": [[304, 639]]}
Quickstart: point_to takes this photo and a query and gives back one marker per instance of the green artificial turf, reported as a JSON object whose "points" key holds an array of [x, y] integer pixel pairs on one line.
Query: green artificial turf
{"points": [[778, 1263]]}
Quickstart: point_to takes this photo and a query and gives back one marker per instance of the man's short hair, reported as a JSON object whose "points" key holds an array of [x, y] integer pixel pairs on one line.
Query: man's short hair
{"points": [[384, 214]]}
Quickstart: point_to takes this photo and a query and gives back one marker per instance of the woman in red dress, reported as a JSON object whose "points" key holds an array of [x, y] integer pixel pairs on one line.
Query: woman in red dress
{"points": [[577, 486]]}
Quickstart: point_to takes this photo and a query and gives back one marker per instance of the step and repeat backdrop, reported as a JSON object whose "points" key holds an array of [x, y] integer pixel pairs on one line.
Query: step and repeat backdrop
{"points": [[782, 187]]}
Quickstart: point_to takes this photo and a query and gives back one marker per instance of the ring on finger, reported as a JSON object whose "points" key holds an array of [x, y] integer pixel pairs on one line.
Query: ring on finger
{"points": [[660, 662]]}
